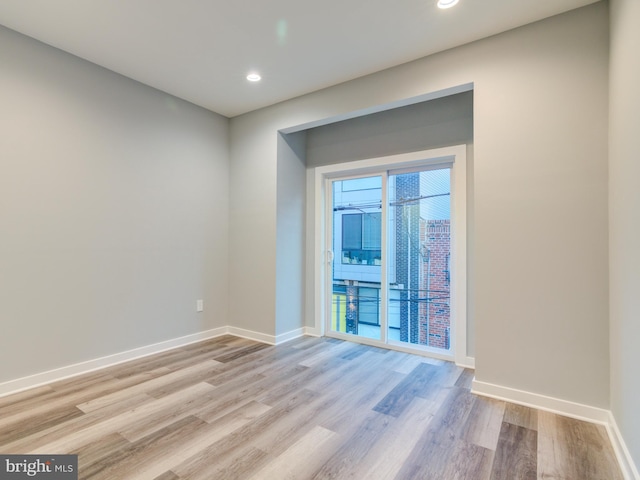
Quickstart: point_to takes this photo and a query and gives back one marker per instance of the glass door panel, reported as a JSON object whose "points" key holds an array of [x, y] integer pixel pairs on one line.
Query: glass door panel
{"points": [[419, 239], [357, 256]]}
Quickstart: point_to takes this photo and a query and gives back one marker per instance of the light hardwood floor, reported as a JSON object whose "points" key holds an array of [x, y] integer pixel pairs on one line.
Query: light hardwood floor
{"points": [[314, 408]]}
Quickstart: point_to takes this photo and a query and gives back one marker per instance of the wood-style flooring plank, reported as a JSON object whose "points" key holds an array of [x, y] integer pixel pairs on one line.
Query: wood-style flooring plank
{"points": [[93, 456], [345, 463], [142, 453], [226, 447], [386, 458], [153, 385], [408, 363], [38, 423], [569, 448], [516, 455], [21, 398], [353, 407], [442, 441], [56, 432], [522, 416], [241, 352], [233, 408], [415, 384], [189, 406], [69, 395], [198, 444], [468, 462], [239, 465], [316, 446], [270, 361], [485, 422], [465, 379], [167, 476], [148, 411], [247, 388], [334, 352]]}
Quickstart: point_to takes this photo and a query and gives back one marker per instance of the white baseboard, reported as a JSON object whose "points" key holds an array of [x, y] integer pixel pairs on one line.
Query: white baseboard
{"points": [[266, 338], [627, 465], [542, 402], [251, 335], [50, 376], [568, 409], [288, 336], [466, 362], [312, 332], [43, 378]]}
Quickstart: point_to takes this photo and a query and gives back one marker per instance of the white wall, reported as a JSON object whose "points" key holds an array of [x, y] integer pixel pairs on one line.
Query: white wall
{"points": [[624, 220], [113, 210], [540, 198]]}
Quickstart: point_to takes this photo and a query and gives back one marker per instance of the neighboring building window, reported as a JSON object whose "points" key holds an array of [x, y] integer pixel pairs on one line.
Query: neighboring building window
{"points": [[361, 238], [371, 231], [368, 305], [352, 231]]}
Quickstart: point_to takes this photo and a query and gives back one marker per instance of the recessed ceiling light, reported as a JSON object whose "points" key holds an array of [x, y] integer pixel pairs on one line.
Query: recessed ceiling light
{"points": [[446, 3], [253, 77]]}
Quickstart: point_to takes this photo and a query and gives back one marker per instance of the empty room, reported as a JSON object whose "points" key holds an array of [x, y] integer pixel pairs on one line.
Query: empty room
{"points": [[285, 240]]}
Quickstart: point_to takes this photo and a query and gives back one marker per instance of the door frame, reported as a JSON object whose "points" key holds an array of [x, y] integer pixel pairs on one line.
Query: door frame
{"points": [[454, 156]]}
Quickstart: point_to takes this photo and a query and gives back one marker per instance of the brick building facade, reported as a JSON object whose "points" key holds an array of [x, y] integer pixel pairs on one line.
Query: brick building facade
{"points": [[435, 289]]}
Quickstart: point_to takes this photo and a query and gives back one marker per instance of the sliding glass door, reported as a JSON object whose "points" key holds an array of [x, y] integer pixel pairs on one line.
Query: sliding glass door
{"points": [[419, 232], [356, 206], [390, 250]]}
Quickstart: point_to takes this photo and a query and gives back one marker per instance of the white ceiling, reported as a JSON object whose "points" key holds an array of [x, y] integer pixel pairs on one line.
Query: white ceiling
{"points": [[201, 50]]}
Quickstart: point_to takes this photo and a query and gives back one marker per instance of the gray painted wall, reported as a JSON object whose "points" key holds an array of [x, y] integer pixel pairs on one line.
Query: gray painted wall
{"points": [[432, 124], [540, 197], [114, 212], [624, 220], [252, 217], [115, 200], [290, 254]]}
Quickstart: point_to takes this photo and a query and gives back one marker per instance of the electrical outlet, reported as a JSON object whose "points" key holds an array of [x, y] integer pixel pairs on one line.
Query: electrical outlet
{"points": [[199, 305]]}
